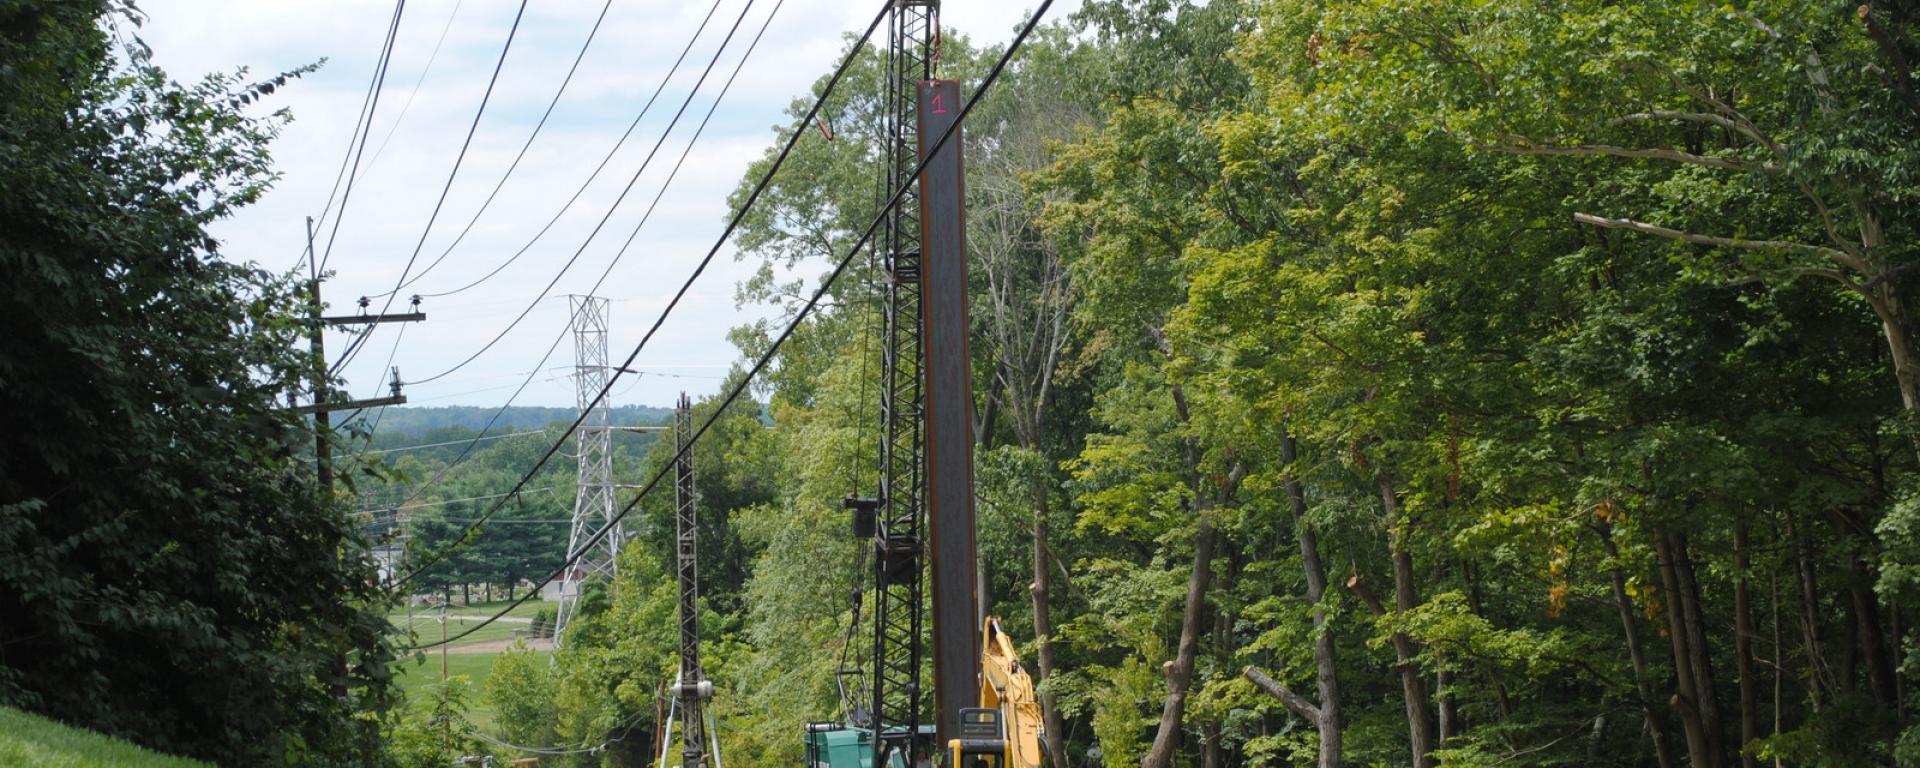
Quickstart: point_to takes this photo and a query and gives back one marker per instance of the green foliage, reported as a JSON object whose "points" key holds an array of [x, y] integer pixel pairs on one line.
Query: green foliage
{"points": [[158, 527], [520, 691], [432, 731], [1299, 283]]}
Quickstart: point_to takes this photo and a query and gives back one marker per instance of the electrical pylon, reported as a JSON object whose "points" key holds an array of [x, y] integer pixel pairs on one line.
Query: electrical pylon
{"points": [[593, 500]]}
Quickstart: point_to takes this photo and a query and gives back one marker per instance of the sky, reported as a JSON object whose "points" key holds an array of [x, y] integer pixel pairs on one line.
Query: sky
{"points": [[444, 56]]}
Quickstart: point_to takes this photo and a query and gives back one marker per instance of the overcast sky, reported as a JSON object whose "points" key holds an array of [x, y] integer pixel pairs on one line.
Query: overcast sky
{"points": [[417, 134]]}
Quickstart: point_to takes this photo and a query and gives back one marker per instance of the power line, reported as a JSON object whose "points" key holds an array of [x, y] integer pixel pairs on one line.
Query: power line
{"points": [[373, 86], [442, 503], [577, 193], [732, 224], [373, 105], [453, 442], [521, 388], [431, 58], [628, 366], [458, 160], [610, 210], [813, 302], [528, 144]]}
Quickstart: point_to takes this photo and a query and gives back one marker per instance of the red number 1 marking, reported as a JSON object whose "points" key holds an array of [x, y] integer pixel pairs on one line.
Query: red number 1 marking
{"points": [[937, 108]]}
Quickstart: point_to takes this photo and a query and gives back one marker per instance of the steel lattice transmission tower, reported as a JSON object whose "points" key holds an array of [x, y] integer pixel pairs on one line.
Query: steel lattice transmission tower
{"points": [[692, 687], [899, 702], [593, 508]]}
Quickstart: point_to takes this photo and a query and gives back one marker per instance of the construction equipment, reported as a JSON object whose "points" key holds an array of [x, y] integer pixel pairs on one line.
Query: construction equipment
{"points": [[1002, 732]]}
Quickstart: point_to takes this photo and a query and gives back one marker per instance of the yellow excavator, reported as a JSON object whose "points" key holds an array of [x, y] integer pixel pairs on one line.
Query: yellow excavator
{"points": [[1003, 732]]}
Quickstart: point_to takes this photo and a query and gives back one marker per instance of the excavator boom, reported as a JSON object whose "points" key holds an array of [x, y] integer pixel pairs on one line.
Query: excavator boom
{"points": [[1004, 731]]}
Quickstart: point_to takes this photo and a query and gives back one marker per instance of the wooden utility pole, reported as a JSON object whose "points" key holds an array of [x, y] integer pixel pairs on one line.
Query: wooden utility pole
{"points": [[323, 404]]}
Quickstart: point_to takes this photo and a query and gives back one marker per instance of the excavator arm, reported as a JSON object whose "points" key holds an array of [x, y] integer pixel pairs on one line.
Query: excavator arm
{"points": [[1004, 731]]}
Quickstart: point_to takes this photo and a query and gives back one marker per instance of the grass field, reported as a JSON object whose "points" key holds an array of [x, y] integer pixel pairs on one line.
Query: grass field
{"points": [[426, 621], [414, 679], [30, 740]]}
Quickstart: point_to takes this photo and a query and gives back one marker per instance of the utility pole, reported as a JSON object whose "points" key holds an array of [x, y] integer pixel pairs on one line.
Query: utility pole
{"points": [[692, 686], [317, 345], [323, 404]]}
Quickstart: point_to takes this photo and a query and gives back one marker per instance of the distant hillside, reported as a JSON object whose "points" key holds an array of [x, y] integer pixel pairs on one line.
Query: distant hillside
{"points": [[406, 421]]}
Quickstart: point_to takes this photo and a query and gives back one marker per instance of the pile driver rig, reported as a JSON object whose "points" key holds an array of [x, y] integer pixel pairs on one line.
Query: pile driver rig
{"points": [[921, 524]]}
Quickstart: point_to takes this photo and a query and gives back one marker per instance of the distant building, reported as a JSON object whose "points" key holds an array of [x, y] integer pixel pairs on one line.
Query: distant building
{"points": [[568, 585]]}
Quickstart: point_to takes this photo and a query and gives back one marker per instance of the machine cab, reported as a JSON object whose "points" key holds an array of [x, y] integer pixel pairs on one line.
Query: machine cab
{"points": [[982, 742]]}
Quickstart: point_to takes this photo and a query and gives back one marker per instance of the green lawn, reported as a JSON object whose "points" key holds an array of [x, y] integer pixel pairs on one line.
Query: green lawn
{"points": [[525, 610], [36, 741], [429, 629], [414, 678]]}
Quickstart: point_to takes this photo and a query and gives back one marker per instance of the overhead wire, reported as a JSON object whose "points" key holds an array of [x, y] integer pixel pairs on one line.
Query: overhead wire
{"points": [[635, 123], [524, 146], [453, 442], [564, 268], [551, 348], [373, 87], [458, 161], [422, 79], [353, 173], [733, 224], [932, 150]]}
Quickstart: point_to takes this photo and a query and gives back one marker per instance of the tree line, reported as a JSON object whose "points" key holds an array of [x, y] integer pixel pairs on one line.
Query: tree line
{"points": [[1378, 383]]}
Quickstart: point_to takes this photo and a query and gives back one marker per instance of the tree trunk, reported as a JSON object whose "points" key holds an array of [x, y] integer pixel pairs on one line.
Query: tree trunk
{"points": [[1704, 679], [1779, 666], [1687, 696], [1809, 615], [1630, 627], [1326, 669], [1210, 754], [1869, 632], [1743, 648], [1413, 687], [1449, 714], [1897, 327], [1873, 638], [1179, 672], [1056, 736]]}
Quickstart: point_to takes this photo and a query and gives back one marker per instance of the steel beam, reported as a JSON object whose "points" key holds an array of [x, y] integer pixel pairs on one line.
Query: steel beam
{"points": [[949, 409]]}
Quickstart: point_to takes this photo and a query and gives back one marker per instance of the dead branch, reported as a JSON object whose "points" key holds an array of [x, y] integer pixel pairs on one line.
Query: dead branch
{"points": [[1296, 703], [1839, 256]]}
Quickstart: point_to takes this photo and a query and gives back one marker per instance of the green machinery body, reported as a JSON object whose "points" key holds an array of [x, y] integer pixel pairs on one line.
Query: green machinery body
{"points": [[833, 745]]}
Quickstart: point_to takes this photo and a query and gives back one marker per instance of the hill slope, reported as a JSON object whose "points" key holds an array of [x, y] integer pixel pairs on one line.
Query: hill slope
{"points": [[31, 740]]}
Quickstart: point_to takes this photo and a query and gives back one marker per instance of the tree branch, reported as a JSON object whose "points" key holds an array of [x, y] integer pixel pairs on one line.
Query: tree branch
{"points": [[1295, 702], [1607, 150], [1901, 78], [1737, 126], [1838, 256], [1366, 595]]}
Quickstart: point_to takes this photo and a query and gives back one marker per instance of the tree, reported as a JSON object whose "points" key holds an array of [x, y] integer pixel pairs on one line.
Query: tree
{"points": [[168, 570], [520, 691]]}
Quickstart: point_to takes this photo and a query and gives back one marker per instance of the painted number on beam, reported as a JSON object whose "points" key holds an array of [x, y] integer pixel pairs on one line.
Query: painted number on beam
{"points": [[938, 108]]}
